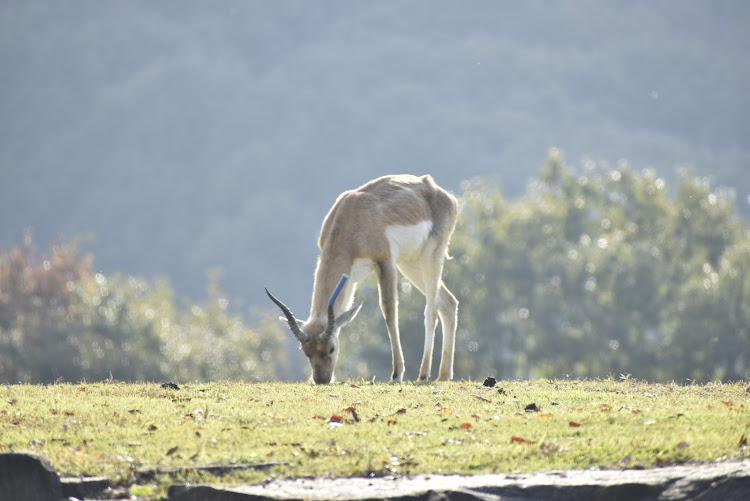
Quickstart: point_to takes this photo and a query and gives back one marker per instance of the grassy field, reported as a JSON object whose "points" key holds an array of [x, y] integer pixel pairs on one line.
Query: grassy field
{"points": [[358, 429]]}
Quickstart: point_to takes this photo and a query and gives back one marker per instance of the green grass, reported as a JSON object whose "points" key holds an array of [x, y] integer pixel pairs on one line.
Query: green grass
{"points": [[359, 429]]}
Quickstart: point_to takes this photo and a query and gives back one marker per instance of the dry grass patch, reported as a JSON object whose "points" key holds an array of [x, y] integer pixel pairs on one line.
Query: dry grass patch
{"points": [[358, 429]]}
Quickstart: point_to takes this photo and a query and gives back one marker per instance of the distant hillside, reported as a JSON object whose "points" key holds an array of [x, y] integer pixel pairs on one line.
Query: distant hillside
{"points": [[187, 136]]}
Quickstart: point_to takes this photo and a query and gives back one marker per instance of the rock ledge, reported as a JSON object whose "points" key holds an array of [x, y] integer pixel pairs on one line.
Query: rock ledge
{"points": [[721, 481], [28, 476]]}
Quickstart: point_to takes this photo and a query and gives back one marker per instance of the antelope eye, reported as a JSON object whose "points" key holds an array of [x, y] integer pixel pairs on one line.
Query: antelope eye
{"points": [[330, 352]]}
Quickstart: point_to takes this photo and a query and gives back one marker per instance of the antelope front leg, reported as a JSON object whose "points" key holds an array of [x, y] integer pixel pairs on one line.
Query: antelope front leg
{"points": [[389, 305]]}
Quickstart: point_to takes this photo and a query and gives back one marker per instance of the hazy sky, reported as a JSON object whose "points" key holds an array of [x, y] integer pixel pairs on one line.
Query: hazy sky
{"points": [[186, 136]]}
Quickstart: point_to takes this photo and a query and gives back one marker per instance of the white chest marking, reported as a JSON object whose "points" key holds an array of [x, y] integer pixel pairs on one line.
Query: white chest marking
{"points": [[405, 240]]}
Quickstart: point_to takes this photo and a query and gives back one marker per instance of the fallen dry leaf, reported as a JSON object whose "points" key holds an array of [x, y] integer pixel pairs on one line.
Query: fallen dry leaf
{"points": [[392, 422], [354, 413], [465, 426], [520, 440], [545, 415], [573, 424], [173, 450]]}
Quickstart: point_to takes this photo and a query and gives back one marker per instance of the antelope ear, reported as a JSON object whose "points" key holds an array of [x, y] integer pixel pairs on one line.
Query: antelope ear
{"points": [[347, 316], [284, 320]]}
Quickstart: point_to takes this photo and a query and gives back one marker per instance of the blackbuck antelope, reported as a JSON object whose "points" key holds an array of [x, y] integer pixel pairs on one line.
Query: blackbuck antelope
{"points": [[393, 222]]}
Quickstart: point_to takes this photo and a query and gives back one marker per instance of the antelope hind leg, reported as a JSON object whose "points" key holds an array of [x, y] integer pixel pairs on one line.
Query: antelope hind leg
{"points": [[448, 311]]}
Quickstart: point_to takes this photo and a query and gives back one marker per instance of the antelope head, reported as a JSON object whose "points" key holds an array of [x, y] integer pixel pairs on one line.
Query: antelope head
{"points": [[320, 340]]}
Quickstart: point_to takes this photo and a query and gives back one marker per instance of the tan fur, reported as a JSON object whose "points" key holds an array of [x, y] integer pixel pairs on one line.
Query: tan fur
{"points": [[356, 230]]}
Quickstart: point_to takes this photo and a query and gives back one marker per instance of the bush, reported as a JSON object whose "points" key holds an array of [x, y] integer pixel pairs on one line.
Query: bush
{"points": [[60, 320], [601, 272]]}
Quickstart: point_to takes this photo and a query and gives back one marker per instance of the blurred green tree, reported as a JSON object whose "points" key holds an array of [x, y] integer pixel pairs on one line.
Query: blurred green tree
{"points": [[60, 320]]}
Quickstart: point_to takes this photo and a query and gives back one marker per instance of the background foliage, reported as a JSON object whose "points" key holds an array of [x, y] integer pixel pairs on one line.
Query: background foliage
{"points": [[61, 321], [594, 271]]}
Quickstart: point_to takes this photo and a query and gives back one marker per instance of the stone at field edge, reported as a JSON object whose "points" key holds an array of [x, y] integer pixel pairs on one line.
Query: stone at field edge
{"points": [[28, 476]]}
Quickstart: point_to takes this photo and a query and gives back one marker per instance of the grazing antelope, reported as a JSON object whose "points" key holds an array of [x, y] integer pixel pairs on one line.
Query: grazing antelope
{"points": [[394, 222]]}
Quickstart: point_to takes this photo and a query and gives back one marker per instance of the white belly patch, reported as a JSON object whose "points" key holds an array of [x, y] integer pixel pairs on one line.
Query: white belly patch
{"points": [[360, 268], [408, 239]]}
